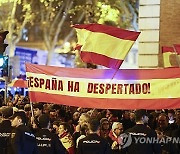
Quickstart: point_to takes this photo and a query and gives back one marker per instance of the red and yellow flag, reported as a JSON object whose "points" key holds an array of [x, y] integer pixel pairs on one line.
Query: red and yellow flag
{"points": [[18, 83], [104, 45], [177, 48], [169, 57], [92, 88]]}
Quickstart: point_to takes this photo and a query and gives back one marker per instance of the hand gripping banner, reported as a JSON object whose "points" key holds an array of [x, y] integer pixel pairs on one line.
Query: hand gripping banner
{"points": [[95, 88]]}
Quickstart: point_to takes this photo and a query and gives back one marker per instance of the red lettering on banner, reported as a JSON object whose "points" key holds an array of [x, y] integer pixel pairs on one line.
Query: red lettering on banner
{"points": [[113, 88], [138, 88], [101, 90], [54, 84], [144, 88], [70, 85], [30, 81], [76, 87], [96, 88], [119, 89], [90, 88], [149, 88], [41, 82], [131, 89], [60, 85], [47, 86], [36, 82], [125, 86], [108, 86], [73, 87]]}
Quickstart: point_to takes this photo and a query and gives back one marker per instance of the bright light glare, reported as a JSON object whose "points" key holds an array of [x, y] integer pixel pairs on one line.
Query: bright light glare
{"points": [[1, 61], [67, 44]]}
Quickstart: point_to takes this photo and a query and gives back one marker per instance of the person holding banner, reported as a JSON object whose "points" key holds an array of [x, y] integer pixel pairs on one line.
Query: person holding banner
{"points": [[38, 111]]}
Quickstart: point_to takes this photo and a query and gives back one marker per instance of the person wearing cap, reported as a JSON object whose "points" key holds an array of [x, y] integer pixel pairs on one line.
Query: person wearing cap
{"points": [[5, 129], [22, 141], [48, 142], [93, 143], [142, 131]]}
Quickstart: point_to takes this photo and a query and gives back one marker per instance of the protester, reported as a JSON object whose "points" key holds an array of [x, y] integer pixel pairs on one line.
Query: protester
{"points": [[59, 113], [5, 129], [38, 111], [83, 119], [117, 129], [22, 141], [47, 142], [66, 138], [93, 143], [84, 131], [126, 121], [140, 130], [104, 128], [176, 132]]}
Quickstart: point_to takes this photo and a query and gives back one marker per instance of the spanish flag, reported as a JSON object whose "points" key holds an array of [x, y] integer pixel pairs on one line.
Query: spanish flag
{"points": [[177, 50], [104, 45], [169, 57]]}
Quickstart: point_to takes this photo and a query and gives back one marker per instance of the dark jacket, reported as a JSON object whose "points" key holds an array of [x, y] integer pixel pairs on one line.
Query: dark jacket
{"points": [[49, 143], [93, 144], [22, 141], [141, 131], [5, 132]]}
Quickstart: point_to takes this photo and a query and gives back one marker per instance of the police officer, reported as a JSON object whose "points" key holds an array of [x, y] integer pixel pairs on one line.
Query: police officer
{"points": [[48, 143], [93, 144], [140, 132], [5, 129], [22, 141]]}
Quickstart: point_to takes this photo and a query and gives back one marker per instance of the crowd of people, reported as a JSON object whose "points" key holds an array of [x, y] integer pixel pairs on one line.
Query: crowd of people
{"points": [[46, 128]]}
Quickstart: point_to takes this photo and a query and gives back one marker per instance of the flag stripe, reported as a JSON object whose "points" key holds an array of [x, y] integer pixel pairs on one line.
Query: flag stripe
{"points": [[100, 59], [167, 49], [177, 47], [107, 45], [18, 83], [121, 74], [113, 31], [106, 103], [166, 59]]}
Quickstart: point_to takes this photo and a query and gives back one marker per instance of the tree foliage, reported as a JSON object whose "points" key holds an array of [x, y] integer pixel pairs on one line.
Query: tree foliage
{"points": [[53, 18], [15, 14]]}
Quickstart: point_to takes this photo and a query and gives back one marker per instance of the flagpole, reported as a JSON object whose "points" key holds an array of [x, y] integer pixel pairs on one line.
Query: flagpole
{"points": [[177, 58], [32, 113]]}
